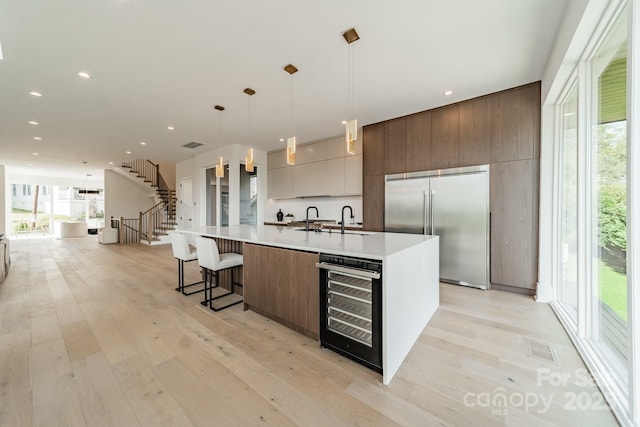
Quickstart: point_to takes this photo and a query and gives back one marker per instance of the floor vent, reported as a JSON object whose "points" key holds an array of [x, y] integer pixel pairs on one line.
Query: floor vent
{"points": [[192, 145], [540, 350]]}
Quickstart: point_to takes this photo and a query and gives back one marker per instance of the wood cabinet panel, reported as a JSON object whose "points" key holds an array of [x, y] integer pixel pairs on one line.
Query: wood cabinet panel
{"points": [[305, 297], [513, 225], [418, 142], [516, 124], [373, 202], [280, 182], [353, 174], [373, 149], [283, 285], [395, 145], [475, 131], [444, 137], [335, 176]]}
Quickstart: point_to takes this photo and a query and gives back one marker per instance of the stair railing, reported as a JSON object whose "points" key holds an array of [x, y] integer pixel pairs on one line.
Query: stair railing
{"points": [[157, 219], [145, 169]]}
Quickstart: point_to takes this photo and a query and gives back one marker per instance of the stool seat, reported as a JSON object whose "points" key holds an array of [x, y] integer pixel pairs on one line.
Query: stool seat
{"points": [[229, 260], [210, 259], [184, 253]]}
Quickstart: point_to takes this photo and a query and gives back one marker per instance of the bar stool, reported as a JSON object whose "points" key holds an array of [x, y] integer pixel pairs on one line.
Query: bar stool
{"points": [[213, 262], [183, 253]]}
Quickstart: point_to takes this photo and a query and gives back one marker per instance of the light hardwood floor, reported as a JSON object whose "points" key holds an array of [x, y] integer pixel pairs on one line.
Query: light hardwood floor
{"points": [[96, 335]]}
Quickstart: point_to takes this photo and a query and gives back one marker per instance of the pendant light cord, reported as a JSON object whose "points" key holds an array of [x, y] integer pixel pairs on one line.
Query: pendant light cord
{"points": [[291, 118]]}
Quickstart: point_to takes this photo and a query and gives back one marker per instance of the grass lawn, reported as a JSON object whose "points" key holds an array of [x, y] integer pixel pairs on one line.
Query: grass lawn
{"points": [[21, 219], [613, 289]]}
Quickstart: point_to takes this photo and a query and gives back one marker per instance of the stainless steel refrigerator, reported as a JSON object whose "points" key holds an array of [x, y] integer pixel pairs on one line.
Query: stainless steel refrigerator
{"points": [[452, 204]]}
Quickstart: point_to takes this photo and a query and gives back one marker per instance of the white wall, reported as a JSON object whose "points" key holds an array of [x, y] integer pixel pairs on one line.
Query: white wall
{"points": [[123, 198], [4, 196], [168, 172], [329, 208]]}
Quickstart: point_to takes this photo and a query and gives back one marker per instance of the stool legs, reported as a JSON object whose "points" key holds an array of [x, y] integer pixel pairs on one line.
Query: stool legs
{"points": [[209, 298], [181, 285]]}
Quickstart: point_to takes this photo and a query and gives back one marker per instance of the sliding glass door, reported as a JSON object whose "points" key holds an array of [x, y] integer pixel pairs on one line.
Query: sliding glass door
{"points": [[608, 217]]}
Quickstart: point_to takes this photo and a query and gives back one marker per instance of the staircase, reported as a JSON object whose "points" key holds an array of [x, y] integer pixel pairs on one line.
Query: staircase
{"points": [[153, 225]]}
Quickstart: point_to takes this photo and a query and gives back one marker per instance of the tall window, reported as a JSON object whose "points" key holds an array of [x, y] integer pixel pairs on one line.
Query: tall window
{"points": [[608, 195], [568, 203]]}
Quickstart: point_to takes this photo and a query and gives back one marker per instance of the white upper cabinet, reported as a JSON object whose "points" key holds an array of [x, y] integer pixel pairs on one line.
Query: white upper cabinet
{"points": [[322, 169], [335, 181], [310, 153], [353, 174], [309, 179]]}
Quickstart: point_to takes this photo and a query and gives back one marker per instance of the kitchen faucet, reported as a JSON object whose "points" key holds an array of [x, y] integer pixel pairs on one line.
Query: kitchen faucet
{"points": [[307, 219], [342, 223]]}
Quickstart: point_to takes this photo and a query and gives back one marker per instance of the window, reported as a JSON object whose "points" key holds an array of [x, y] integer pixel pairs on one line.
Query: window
{"points": [[568, 202]]}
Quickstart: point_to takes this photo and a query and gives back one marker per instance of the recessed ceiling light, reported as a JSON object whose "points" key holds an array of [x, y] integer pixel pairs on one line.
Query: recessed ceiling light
{"points": [[37, 138], [33, 122], [170, 127], [128, 152], [34, 93], [143, 143], [84, 75], [34, 154], [447, 93], [30, 164], [281, 139], [110, 163], [344, 122]]}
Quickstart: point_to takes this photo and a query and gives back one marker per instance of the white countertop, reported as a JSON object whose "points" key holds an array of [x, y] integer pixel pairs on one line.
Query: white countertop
{"points": [[353, 243]]}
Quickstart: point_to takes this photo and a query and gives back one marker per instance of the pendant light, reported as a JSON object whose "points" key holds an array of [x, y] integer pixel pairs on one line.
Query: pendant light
{"points": [[291, 141], [351, 125], [219, 166], [248, 161]]}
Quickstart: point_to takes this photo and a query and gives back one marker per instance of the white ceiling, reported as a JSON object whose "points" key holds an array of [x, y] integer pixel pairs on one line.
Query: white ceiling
{"points": [[156, 63]]}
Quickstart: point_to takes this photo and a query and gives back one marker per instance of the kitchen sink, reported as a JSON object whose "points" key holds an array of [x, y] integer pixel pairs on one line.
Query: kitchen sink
{"points": [[333, 231]]}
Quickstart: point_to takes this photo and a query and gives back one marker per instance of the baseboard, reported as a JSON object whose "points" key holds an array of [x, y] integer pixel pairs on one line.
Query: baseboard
{"points": [[513, 289]]}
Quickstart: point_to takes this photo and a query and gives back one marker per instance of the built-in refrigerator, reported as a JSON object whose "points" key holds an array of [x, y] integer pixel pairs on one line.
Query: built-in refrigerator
{"points": [[452, 204]]}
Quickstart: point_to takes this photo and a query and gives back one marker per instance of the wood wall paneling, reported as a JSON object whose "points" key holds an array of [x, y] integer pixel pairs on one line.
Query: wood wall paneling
{"points": [[444, 137], [513, 243], [475, 131], [373, 149], [395, 145], [373, 202], [516, 124], [418, 141]]}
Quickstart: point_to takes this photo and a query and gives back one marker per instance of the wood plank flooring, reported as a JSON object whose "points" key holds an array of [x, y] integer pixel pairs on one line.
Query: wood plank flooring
{"points": [[94, 335]]}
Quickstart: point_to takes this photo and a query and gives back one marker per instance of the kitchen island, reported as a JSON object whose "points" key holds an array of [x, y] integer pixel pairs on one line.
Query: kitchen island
{"points": [[410, 278]]}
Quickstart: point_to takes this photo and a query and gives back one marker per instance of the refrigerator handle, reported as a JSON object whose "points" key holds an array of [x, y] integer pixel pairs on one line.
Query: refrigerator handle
{"points": [[430, 212], [425, 222]]}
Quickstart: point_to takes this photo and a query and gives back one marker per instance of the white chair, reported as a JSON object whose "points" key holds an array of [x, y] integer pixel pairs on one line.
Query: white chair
{"points": [[212, 261], [108, 235], [183, 253]]}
